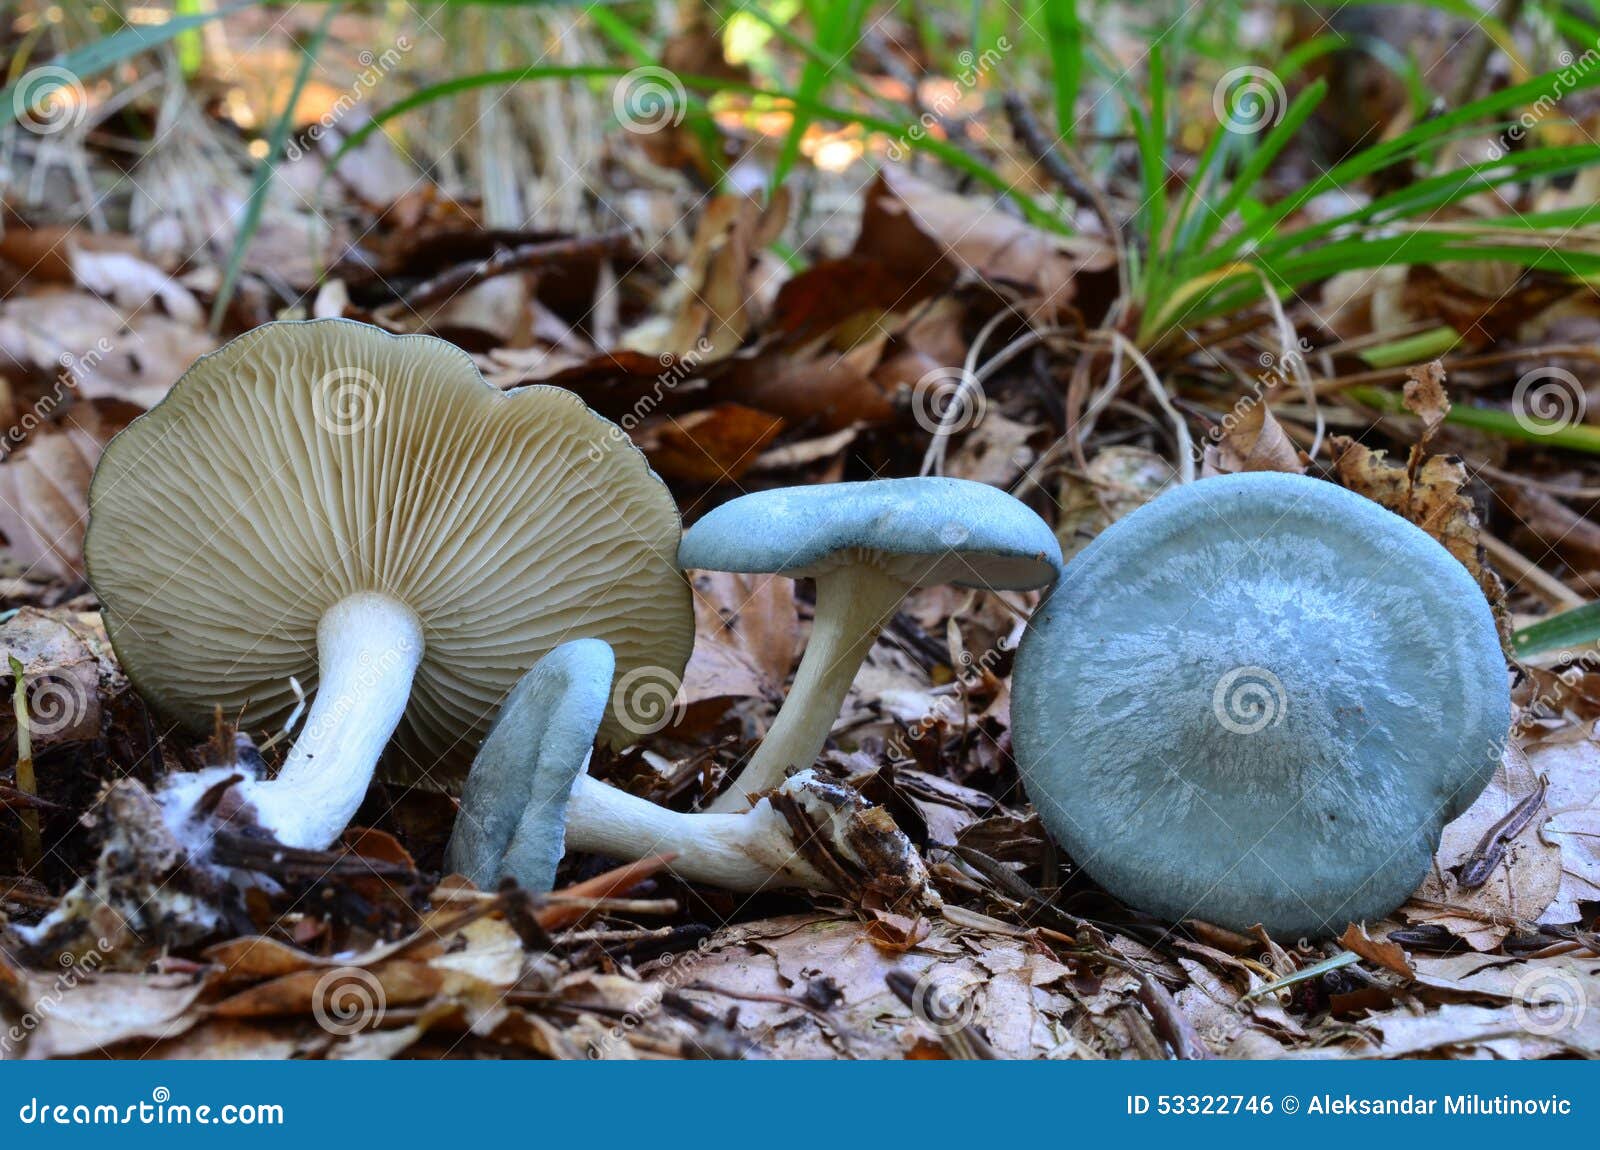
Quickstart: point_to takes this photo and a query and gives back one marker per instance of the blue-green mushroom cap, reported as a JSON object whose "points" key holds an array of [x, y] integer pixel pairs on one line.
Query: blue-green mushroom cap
{"points": [[1258, 699], [928, 531], [514, 803]]}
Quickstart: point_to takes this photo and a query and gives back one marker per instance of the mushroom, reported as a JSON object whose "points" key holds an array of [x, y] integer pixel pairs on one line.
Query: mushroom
{"points": [[1258, 699], [867, 545], [324, 503], [527, 799]]}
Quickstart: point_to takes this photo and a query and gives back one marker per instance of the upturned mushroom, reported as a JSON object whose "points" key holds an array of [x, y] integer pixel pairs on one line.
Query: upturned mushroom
{"points": [[867, 545], [528, 799], [327, 504], [1258, 699]]}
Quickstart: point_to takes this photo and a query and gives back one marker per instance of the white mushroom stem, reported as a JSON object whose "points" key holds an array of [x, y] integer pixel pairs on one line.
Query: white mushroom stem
{"points": [[853, 605], [745, 851], [368, 648]]}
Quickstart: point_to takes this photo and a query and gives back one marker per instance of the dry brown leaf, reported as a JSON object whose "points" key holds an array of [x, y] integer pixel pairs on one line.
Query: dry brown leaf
{"points": [[969, 236], [1429, 495], [1424, 397], [747, 630], [1119, 480], [44, 488], [713, 445], [67, 664], [728, 275], [1379, 951], [1517, 891], [92, 1014], [1254, 441]]}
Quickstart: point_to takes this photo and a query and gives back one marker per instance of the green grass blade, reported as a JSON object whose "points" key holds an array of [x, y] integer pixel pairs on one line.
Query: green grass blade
{"points": [[265, 169], [1578, 627]]}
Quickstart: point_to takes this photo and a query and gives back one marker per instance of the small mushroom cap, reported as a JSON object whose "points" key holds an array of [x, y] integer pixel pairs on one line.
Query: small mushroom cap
{"points": [[514, 802], [305, 462], [927, 531], [1258, 699]]}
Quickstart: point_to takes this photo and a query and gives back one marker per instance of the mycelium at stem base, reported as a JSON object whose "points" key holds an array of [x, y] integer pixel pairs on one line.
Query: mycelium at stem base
{"points": [[368, 648], [853, 605]]}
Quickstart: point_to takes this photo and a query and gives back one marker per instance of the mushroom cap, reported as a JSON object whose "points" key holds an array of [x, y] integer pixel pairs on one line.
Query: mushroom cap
{"points": [[927, 531], [514, 803], [304, 462], [1258, 699]]}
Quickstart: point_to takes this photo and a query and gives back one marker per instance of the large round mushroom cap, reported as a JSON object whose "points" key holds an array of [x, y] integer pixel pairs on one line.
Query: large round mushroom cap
{"points": [[514, 802], [927, 531], [306, 462], [1258, 699]]}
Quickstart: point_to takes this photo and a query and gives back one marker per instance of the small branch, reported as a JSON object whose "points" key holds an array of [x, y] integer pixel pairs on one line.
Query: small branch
{"points": [[458, 279]]}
